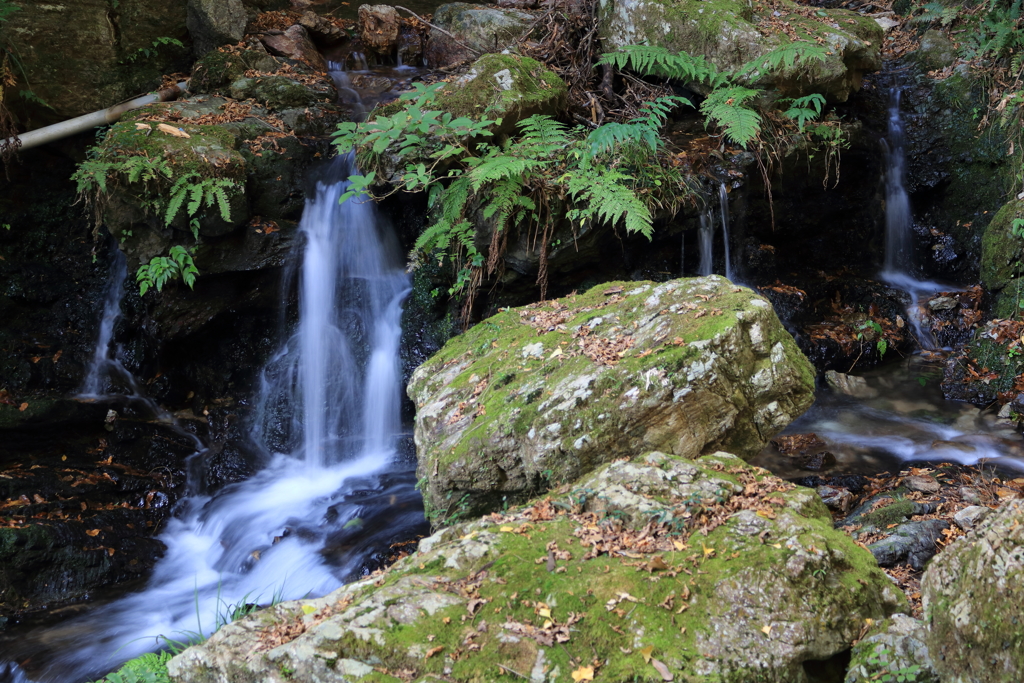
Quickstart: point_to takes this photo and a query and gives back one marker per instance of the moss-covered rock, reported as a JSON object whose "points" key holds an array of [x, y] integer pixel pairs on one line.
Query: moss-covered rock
{"points": [[463, 31], [216, 70], [278, 92], [712, 569], [538, 396], [972, 593], [985, 370], [894, 646], [730, 33], [1001, 255], [87, 55]]}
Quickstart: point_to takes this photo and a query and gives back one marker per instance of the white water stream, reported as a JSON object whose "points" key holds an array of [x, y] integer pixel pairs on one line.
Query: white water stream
{"points": [[330, 496]]}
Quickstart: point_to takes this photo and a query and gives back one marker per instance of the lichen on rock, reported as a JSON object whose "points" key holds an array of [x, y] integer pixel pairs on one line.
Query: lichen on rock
{"points": [[726, 574], [971, 594], [538, 396]]}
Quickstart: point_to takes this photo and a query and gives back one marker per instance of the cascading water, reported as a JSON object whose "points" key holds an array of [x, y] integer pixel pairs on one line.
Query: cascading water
{"points": [[333, 493], [723, 205], [104, 363], [899, 227], [706, 236]]}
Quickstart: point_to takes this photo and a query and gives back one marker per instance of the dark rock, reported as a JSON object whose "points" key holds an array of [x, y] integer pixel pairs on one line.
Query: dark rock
{"points": [[85, 56], [379, 27], [854, 483], [294, 43], [213, 23], [935, 52], [913, 543], [321, 30], [922, 483], [872, 517], [818, 461]]}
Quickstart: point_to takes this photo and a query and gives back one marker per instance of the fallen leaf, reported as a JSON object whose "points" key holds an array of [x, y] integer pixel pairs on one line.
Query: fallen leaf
{"points": [[23, 407], [544, 612], [143, 126], [308, 609], [767, 630], [584, 673], [171, 130], [646, 653], [92, 532], [433, 651], [666, 675], [612, 290]]}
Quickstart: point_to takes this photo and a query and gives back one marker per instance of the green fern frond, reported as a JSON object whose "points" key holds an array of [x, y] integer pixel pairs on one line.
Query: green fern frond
{"points": [[649, 60], [784, 57], [725, 107]]}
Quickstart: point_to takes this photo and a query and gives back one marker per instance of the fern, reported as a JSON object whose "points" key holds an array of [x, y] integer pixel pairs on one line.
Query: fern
{"points": [[725, 107], [804, 109], [658, 61], [785, 57]]}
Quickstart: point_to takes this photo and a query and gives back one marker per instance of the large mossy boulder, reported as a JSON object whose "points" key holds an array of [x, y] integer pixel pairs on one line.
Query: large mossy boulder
{"points": [[659, 568], [462, 31], [972, 595], [1001, 256], [538, 396], [730, 33]]}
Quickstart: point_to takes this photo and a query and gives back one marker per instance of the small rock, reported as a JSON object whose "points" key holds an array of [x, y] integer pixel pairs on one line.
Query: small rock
{"points": [[819, 461], [942, 303], [922, 483], [886, 23], [835, 498], [913, 543], [967, 518], [970, 495], [850, 385]]}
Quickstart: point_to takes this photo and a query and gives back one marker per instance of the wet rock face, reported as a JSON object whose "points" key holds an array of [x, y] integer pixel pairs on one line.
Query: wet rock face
{"points": [[79, 504], [771, 587], [213, 23], [83, 56], [537, 396], [972, 594]]}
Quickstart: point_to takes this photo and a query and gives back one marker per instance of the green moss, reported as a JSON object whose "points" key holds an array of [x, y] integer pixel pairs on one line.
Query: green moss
{"points": [[894, 513], [615, 610], [216, 70], [479, 94], [1001, 254]]}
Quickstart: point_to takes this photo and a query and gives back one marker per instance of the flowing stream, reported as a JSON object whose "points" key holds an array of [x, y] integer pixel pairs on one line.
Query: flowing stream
{"points": [[333, 492]]}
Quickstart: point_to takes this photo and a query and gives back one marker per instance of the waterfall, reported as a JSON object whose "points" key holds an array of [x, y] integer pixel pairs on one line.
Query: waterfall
{"points": [[104, 362], [898, 218], [723, 205], [899, 233], [333, 496], [705, 242]]}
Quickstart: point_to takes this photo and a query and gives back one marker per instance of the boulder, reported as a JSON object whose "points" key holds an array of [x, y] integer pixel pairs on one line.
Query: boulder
{"points": [[936, 51], [538, 396], [321, 30], [971, 596], [730, 33], [894, 647], [378, 27], [213, 23], [471, 30], [654, 569], [294, 43], [87, 55]]}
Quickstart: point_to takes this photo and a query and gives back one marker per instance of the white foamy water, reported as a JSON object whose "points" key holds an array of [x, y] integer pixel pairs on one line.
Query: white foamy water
{"points": [[331, 496]]}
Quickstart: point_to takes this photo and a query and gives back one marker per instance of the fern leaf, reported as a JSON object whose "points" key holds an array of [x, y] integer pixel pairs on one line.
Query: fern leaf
{"points": [[725, 107]]}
